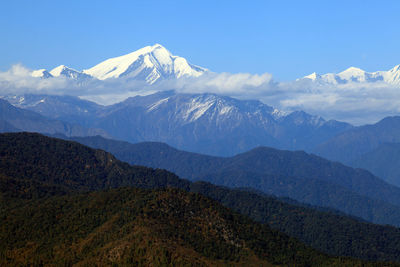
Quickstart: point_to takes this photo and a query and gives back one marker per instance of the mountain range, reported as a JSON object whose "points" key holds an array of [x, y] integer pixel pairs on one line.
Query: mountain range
{"points": [[149, 64], [374, 147], [356, 75], [49, 217], [217, 125], [13, 119], [236, 154], [350, 145], [209, 124], [298, 175], [206, 123], [54, 213], [155, 63]]}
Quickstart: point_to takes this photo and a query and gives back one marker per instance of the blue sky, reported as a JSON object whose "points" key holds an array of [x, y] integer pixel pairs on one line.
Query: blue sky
{"points": [[288, 39]]}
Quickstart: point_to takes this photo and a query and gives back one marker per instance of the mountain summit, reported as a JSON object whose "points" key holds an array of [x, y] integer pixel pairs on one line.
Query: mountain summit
{"points": [[356, 75], [63, 70], [150, 63], [155, 63]]}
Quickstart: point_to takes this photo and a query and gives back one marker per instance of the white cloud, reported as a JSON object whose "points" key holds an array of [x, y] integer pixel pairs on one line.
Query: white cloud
{"points": [[240, 84], [18, 80], [355, 103]]}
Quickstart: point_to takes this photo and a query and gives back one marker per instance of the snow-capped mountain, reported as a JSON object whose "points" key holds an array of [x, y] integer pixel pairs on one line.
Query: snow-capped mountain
{"points": [[65, 71], [42, 73], [356, 75], [213, 124], [153, 63], [150, 63], [206, 123]]}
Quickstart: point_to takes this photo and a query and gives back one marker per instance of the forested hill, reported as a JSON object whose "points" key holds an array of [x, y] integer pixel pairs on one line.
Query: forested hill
{"points": [[34, 166], [73, 166], [297, 175], [128, 226]]}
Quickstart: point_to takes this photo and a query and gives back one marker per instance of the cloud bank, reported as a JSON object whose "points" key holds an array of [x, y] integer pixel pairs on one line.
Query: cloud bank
{"points": [[357, 103]]}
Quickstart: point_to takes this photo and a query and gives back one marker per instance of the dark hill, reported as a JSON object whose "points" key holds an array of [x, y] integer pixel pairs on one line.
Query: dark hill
{"points": [[73, 166], [334, 234], [138, 227], [64, 226], [304, 177]]}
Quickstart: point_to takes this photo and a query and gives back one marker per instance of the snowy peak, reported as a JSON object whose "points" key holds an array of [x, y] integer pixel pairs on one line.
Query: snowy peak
{"points": [[150, 63], [395, 69], [42, 73], [313, 76], [190, 108], [65, 71], [303, 118], [356, 75], [57, 71], [60, 71], [351, 72], [393, 75]]}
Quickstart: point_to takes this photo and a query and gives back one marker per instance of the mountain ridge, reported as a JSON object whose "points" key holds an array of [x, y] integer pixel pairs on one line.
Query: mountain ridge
{"points": [[65, 165], [383, 161], [207, 123], [352, 144], [307, 178], [16, 119], [154, 63], [356, 75], [149, 64]]}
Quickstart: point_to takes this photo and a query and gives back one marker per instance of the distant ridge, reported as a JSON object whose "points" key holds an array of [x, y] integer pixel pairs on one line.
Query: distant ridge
{"points": [[155, 62], [14, 119], [356, 75]]}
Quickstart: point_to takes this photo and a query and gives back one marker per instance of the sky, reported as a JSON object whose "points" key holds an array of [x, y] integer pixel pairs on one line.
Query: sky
{"points": [[288, 39]]}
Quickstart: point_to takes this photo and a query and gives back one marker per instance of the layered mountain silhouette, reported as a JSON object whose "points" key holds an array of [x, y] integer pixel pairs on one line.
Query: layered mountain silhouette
{"points": [[13, 119], [298, 175], [42, 185], [383, 161], [65, 204], [350, 145]]}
